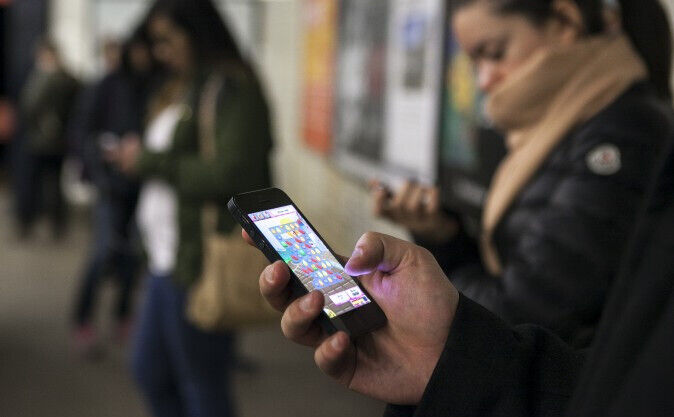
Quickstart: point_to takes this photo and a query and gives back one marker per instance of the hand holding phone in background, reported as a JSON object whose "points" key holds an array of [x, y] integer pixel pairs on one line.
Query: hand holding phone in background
{"points": [[415, 207], [124, 153], [394, 363], [108, 142]]}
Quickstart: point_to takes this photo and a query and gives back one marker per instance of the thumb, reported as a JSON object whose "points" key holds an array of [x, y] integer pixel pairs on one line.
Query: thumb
{"points": [[376, 251]]}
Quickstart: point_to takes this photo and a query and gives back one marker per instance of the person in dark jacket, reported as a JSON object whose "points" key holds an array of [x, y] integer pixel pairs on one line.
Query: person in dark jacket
{"points": [[46, 104], [442, 354], [582, 108], [113, 109]]}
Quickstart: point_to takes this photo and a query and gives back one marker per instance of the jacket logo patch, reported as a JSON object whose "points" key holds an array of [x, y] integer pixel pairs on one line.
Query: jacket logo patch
{"points": [[604, 159]]}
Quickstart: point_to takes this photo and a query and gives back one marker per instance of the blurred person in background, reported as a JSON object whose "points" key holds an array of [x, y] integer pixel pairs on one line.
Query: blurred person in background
{"points": [[182, 370], [109, 111], [46, 103], [584, 101]]}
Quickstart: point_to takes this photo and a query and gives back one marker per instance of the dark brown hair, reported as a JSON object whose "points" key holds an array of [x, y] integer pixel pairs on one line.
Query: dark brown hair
{"points": [[210, 38], [644, 22]]}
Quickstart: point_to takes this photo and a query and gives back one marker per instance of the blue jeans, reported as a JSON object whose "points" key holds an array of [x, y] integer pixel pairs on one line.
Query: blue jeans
{"points": [[182, 371]]}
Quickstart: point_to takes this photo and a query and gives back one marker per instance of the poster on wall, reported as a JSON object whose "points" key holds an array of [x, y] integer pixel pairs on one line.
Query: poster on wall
{"points": [[462, 109], [388, 88], [319, 19], [359, 93], [414, 63]]}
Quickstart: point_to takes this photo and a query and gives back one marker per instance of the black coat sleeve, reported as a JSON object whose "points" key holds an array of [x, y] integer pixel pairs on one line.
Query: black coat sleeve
{"points": [[490, 369], [455, 253]]}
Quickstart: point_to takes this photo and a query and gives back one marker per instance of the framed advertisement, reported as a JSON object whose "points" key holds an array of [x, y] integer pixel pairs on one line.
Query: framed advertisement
{"points": [[389, 62], [319, 19]]}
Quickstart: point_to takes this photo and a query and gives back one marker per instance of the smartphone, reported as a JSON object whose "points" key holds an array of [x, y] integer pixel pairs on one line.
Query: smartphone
{"points": [[108, 142], [282, 232]]}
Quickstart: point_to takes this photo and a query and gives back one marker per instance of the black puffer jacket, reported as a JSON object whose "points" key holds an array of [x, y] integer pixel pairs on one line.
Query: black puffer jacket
{"points": [[560, 242], [489, 369]]}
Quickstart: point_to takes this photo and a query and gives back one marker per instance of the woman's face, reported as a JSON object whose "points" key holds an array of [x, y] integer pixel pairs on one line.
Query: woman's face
{"points": [[171, 44], [498, 44]]}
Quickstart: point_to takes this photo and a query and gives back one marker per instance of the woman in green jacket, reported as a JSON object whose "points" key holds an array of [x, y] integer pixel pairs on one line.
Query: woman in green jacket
{"points": [[182, 370]]}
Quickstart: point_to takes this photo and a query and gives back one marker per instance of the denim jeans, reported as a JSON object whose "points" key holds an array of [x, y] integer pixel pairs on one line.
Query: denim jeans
{"points": [[182, 371]]}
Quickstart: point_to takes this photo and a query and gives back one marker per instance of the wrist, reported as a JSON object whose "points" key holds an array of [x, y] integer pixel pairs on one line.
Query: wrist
{"points": [[425, 362]]}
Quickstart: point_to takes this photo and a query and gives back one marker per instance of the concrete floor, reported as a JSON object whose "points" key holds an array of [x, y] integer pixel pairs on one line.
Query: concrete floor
{"points": [[41, 376]]}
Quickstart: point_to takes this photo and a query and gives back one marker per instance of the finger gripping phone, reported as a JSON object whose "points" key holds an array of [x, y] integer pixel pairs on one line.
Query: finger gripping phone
{"points": [[282, 232]]}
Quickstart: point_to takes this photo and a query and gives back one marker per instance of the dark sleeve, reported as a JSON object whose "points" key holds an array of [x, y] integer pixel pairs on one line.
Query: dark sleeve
{"points": [[490, 369], [457, 252], [32, 100], [243, 142], [83, 127], [243, 146], [559, 270], [157, 164]]}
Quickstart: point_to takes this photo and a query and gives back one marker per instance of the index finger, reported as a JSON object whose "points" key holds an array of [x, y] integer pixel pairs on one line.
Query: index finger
{"points": [[432, 201], [380, 199], [247, 238], [274, 285]]}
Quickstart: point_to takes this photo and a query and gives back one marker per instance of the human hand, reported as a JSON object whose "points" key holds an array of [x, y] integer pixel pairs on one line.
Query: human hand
{"points": [[125, 155], [415, 207], [394, 363]]}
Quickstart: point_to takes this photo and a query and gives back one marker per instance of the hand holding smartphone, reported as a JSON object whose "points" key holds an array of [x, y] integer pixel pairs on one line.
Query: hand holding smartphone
{"points": [[392, 364], [417, 208], [282, 232]]}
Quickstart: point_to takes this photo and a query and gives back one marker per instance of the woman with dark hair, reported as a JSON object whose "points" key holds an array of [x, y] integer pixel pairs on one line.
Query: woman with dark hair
{"points": [[208, 138], [582, 96]]}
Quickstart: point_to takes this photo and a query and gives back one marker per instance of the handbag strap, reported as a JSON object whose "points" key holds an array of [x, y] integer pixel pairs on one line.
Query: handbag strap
{"points": [[207, 116]]}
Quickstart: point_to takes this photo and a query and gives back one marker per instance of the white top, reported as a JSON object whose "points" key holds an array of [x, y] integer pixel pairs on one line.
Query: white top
{"points": [[157, 203]]}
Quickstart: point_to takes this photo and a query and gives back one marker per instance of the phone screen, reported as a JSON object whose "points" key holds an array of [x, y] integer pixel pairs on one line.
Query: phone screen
{"points": [[309, 258]]}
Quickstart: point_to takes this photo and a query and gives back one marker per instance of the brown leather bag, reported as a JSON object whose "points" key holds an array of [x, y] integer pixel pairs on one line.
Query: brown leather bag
{"points": [[227, 295]]}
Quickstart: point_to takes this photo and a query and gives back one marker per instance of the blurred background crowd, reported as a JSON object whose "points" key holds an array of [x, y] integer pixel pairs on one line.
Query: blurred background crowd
{"points": [[80, 82]]}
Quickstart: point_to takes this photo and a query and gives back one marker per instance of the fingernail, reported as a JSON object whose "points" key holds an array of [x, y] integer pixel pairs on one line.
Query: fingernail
{"points": [[305, 303], [336, 343], [270, 278], [358, 252]]}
